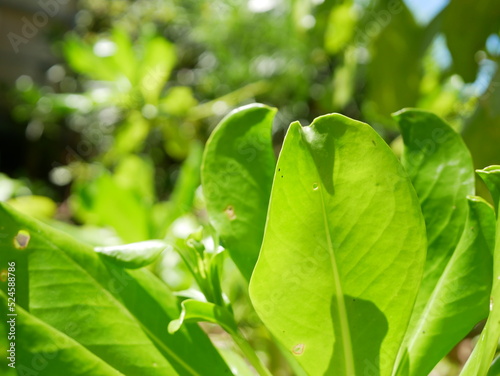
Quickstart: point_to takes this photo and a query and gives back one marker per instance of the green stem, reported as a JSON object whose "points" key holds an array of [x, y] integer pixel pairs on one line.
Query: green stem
{"points": [[249, 352]]}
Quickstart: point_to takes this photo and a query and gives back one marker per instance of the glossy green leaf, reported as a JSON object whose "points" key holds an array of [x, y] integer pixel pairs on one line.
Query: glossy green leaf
{"points": [[333, 283], [134, 255], [42, 350], [196, 311], [440, 168], [119, 315], [480, 360], [461, 297], [237, 170]]}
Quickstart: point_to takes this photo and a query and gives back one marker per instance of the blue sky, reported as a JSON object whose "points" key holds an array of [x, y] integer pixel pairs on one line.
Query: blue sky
{"points": [[425, 10]]}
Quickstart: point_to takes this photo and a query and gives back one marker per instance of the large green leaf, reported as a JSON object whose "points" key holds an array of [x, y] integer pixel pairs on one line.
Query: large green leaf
{"points": [[343, 251], [461, 297], [119, 315], [236, 174], [440, 168], [41, 348], [482, 356]]}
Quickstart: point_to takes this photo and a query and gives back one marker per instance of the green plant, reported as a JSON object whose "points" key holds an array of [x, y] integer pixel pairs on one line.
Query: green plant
{"points": [[358, 263]]}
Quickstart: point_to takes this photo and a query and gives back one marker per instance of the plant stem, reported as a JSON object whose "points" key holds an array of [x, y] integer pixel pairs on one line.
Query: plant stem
{"points": [[249, 353]]}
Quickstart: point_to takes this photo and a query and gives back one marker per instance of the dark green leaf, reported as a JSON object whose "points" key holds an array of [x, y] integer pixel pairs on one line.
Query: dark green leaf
{"points": [[236, 173]]}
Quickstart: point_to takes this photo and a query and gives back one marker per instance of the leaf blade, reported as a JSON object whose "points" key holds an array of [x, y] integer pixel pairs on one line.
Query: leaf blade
{"points": [[52, 352], [116, 309], [295, 275], [462, 295], [133, 255], [482, 356], [237, 169]]}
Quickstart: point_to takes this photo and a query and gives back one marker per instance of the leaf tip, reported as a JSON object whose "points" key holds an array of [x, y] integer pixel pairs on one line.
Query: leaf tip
{"points": [[174, 326]]}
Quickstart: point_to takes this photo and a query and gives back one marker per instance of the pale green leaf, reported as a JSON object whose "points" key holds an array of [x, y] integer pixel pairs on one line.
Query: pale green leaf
{"points": [[343, 251]]}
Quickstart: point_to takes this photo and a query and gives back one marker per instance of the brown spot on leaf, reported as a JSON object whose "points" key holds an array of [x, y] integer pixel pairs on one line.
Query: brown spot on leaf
{"points": [[298, 349], [22, 239], [230, 212]]}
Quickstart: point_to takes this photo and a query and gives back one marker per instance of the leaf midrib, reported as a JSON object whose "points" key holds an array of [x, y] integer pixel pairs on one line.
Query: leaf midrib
{"points": [[339, 295]]}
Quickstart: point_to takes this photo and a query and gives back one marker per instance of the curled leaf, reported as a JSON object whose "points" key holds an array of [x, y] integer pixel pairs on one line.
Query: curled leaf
{"points": [[134, 255], [196, 311]]}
